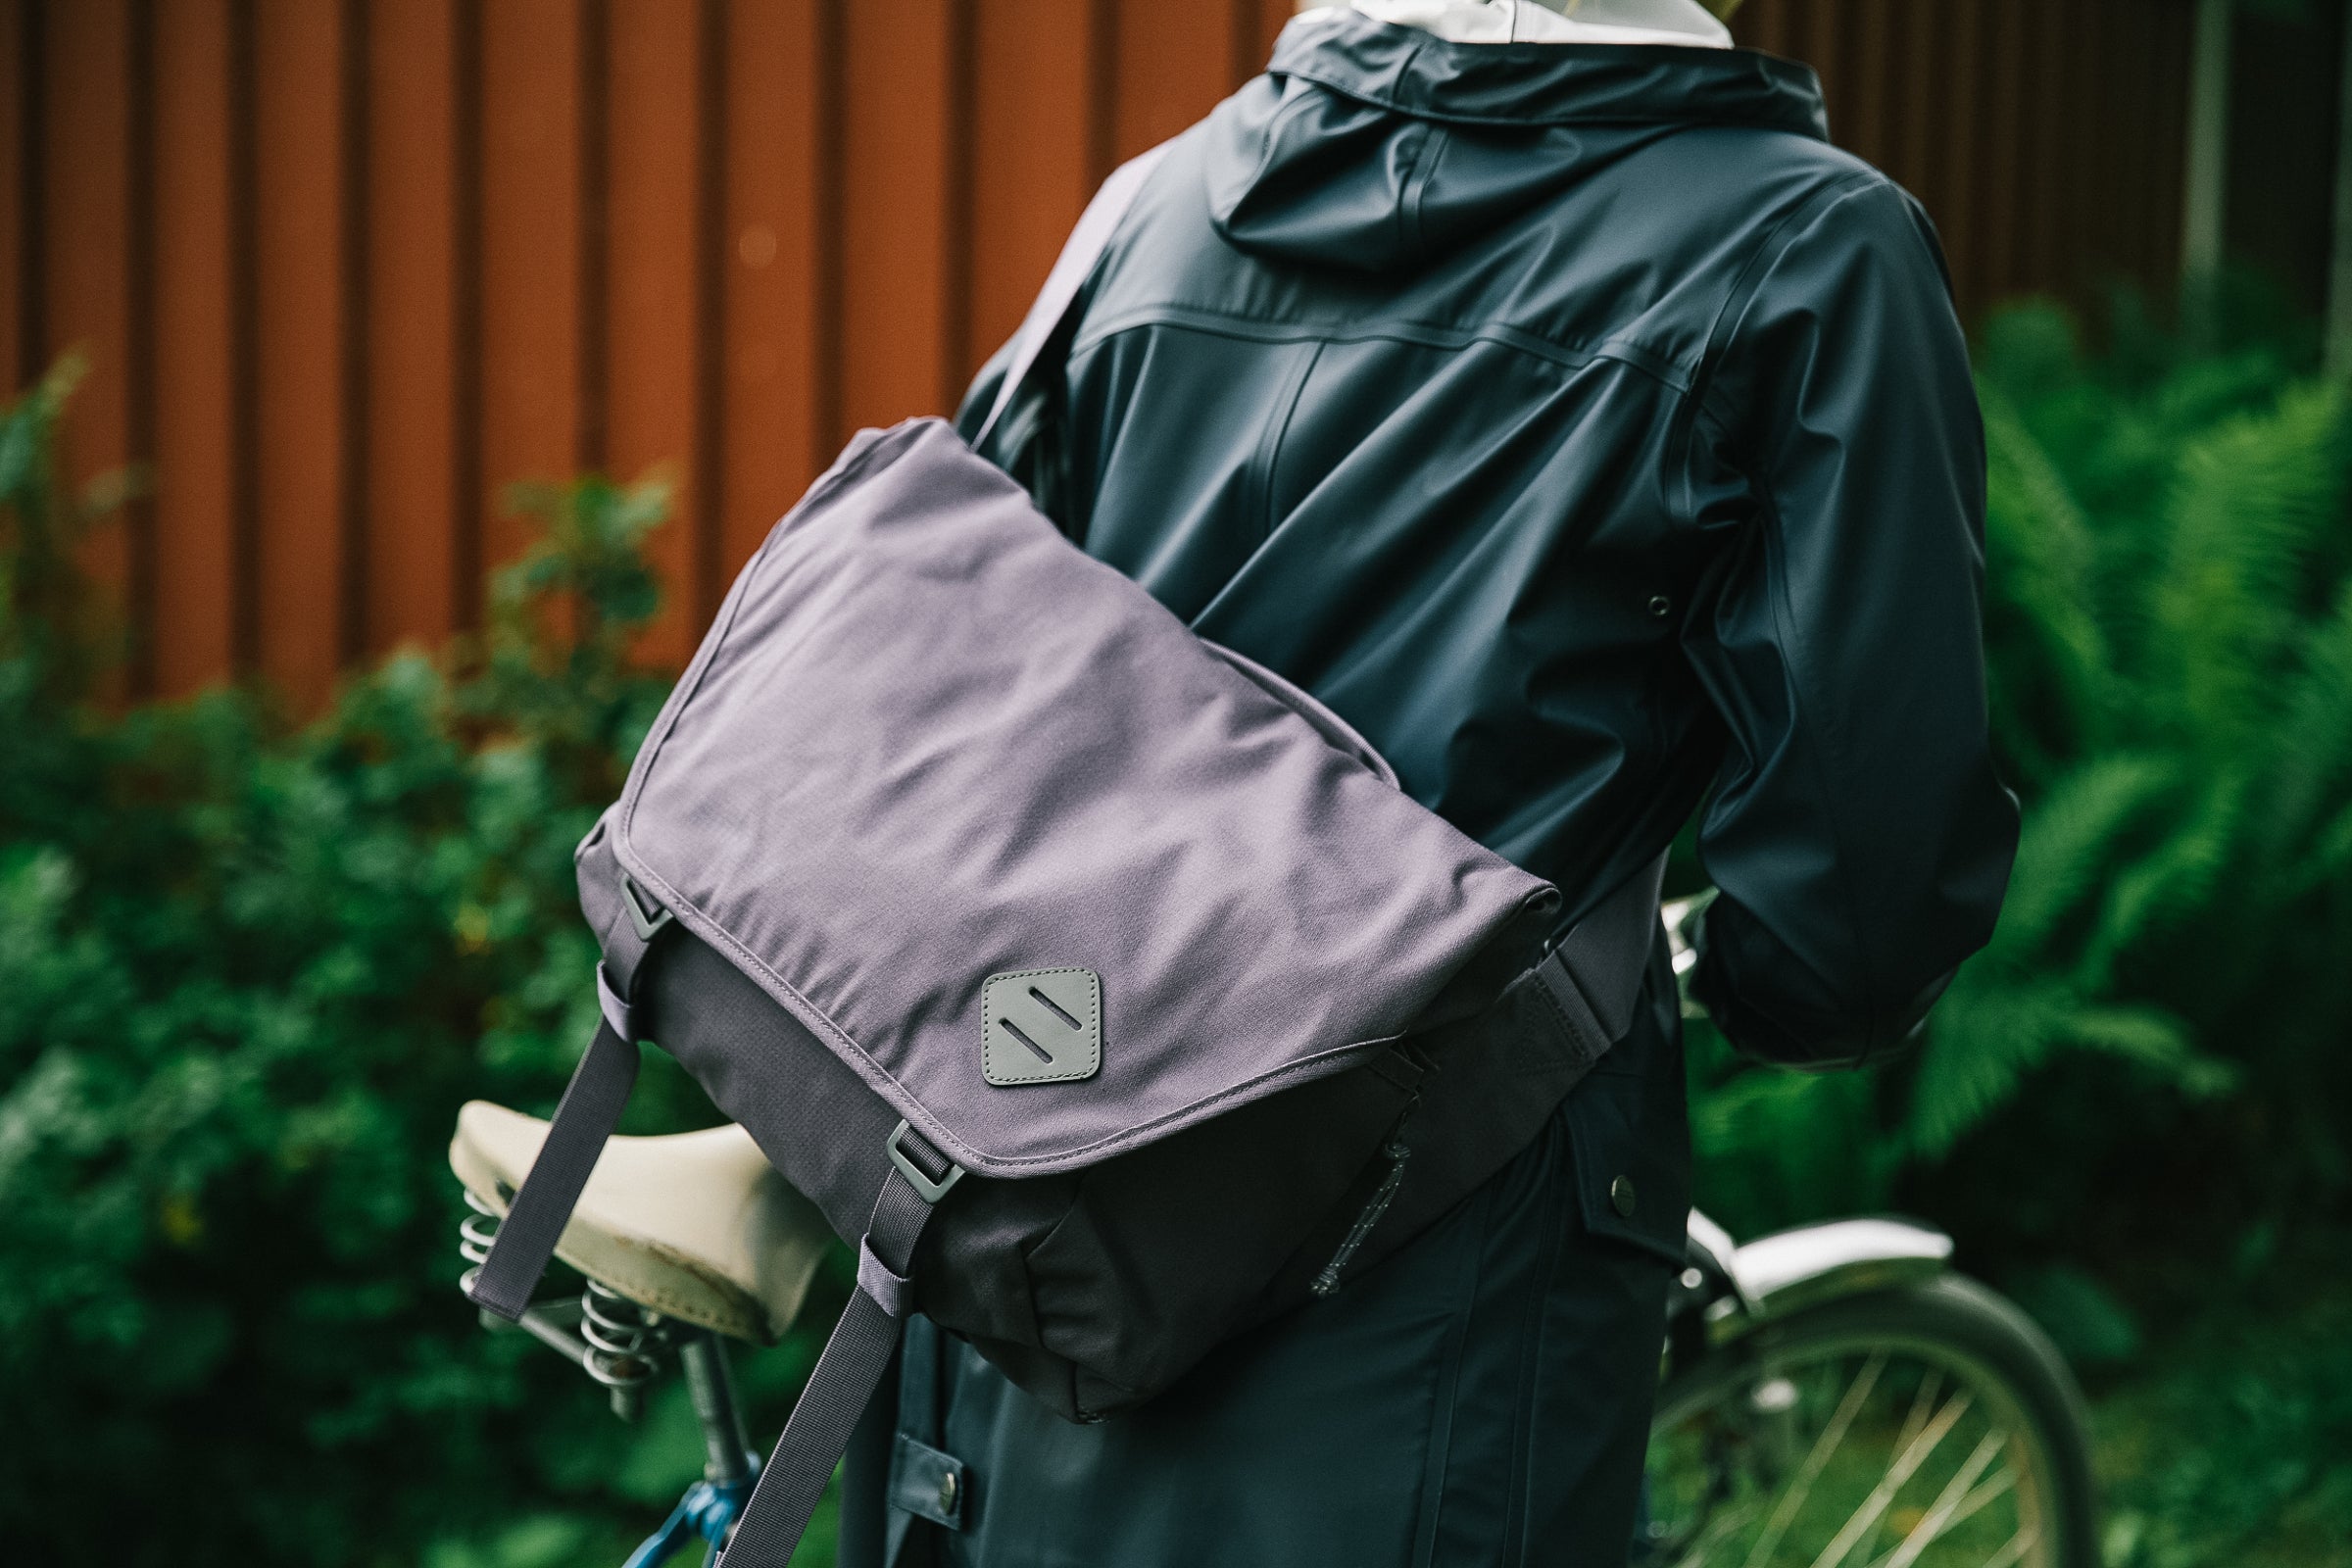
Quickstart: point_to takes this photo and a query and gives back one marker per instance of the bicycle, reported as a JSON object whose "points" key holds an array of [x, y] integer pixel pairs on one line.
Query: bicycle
{"points": [[1833, 1396]]}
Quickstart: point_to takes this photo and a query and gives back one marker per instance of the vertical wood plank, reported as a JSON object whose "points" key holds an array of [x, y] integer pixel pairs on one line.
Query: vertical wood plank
{"points": [[1764, 25], [16, 74], [896, 163], [2083, 161], [244, 331], [410, 339], [2173, 30], [299, 197], [467, 488], [651, 259], [2127, 222], [2002, 178], [1030, 116], [1101, 88], [1916, 126], [957, 352], [1821, 42], [1174, 63], [138, 350], [86, 268], [1962, 152], [1798, 32], [592, 355], [2054, 132], [708, 460], [2155, 160], [352, 329], [195, 350], [1258, 24], [1870, 112], [531, 255], [832, 247], [32, 72], [776, 95]]}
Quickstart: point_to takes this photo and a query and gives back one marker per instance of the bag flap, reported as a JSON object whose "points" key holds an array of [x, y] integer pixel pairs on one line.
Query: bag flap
{"points": [[929, 742]]}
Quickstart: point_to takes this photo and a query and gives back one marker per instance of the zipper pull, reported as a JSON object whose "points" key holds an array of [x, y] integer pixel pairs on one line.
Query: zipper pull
{"points": [[1397, 1152]]}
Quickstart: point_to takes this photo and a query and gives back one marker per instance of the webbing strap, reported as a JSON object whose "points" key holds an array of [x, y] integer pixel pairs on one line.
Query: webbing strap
{"points": [[1050, 311], [853, 1364], [1593, 978], [586, 1117], [629, 936]]}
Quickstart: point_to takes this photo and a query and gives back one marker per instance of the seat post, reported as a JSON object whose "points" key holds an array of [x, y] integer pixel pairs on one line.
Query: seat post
{"points": [[726, 1445]]}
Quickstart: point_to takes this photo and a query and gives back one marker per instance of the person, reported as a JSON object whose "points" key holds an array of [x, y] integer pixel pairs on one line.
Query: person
{"points": [[1546, 394]]}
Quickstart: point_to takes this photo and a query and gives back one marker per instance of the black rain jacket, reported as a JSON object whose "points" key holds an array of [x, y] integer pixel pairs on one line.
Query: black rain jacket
{"points": [[1599, 441]]}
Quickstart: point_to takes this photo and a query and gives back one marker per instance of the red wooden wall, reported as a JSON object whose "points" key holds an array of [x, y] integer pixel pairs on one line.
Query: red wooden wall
{"points": [[344, 268], [2047, 137]]}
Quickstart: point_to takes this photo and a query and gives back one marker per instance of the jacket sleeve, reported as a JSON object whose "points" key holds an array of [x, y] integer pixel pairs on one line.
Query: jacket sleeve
{"points": [[1857, 830]]}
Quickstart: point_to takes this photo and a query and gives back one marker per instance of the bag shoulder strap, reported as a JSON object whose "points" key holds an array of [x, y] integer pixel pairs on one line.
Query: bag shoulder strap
{"points": [[853, 1364], [1593, 979], [584, 1119], [1057, 301]]}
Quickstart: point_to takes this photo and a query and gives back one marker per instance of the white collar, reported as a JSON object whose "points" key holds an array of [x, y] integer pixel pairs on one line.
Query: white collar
{"points": [[1528, 22]]}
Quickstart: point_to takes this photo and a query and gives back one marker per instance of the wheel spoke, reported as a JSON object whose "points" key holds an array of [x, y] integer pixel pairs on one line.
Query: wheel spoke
{"points": [[1884, 1494], [2002, 1481], [1923, 1405], [1718, 1530], [1832, 1435], [2014, 1552], [1945, 1511]]}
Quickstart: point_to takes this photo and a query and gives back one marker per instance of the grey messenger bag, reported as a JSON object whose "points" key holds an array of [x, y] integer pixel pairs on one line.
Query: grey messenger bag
{"points": [[1101, 987]]}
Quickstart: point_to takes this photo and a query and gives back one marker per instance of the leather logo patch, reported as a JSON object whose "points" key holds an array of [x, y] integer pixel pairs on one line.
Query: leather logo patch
{"points": [[1041, 1026]]}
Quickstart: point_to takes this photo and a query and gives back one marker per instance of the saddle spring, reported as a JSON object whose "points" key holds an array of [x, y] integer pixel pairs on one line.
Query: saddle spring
{"points": [[618, 1343]]}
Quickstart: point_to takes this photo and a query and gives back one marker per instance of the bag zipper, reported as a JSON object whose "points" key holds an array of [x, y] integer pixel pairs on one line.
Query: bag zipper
{"points": [[1397, 1152]]}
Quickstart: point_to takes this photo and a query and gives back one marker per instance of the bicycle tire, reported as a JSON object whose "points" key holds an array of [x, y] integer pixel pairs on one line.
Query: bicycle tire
{"points": [[1967, 1322]]}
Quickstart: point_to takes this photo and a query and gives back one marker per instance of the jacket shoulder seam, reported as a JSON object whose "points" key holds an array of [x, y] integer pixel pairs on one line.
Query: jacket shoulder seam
{"points": [[1658, 367], [1770, 248]]}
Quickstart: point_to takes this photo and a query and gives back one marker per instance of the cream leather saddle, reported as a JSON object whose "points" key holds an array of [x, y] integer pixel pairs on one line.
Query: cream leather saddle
{"points": [[697, 1226]]}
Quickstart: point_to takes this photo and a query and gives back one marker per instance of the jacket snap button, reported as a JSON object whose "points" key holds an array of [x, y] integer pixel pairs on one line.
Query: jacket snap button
{"points": [[1621, 1196], [947, 1492], [1660, 605]]}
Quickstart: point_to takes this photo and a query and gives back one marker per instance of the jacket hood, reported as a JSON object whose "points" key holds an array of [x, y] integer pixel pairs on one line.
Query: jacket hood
{"points": [[1376, 148]]}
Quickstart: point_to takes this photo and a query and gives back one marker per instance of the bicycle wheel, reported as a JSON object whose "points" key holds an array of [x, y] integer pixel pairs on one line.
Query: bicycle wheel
{"points": [[1932, 1426]]}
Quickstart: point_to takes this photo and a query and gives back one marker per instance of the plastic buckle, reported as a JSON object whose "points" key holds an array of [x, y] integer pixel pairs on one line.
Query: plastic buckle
{"points": [[635, 902], [929, 1191]]}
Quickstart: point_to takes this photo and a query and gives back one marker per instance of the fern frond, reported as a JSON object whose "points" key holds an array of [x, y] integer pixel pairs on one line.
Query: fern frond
{"points": [[2331, 850], [2156, 1040], [2166, 887], [2069, 840], [1992, 1031], [2249, 501], [1989, 1032], [1782, 1147], [2041, 572], [2311, 747]]}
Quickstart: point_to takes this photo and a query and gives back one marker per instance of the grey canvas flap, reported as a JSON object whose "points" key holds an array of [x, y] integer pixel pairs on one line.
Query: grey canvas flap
{"points": [[929, 741]]}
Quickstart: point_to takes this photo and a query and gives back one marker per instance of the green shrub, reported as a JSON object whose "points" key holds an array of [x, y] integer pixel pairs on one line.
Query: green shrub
{"points": [[248, 972]]}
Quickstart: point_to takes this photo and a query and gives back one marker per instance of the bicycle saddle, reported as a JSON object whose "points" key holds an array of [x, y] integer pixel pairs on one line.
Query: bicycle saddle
{"points": [[698, 1226]]}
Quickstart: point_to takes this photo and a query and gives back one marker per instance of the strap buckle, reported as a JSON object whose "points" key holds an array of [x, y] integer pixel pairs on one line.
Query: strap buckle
{"points": [[926, 1187], [633, 899]]}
